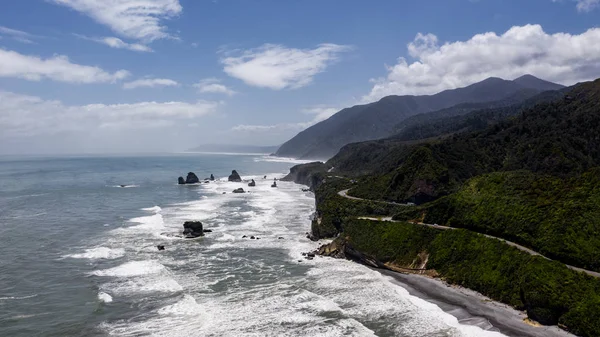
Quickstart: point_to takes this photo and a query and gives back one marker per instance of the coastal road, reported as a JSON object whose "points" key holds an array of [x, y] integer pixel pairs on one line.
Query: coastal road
{"points": [[344, 194]]}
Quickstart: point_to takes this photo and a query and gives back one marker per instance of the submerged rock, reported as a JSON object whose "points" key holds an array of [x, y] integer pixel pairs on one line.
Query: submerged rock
{"points": [[181, 181], [239, 190], [192, 229], [252, 183], [207, 230], [235, 177], [192, 178]]}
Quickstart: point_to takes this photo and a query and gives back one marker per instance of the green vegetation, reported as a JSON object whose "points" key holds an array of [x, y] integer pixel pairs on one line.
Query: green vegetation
{"points": [[559, 218], [549, 292], [533, 179], [333, 210], [559, 138]]}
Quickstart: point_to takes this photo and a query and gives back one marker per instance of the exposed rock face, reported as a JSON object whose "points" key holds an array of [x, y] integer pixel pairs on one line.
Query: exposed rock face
{"points": [[252, 183], [310, 174], [235, 177], [192, 178], [239, 190], [192, 229], [212, 177], [181, 181]]}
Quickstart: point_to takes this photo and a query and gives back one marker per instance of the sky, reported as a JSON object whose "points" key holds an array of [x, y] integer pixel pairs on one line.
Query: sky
{"points": [[120, 76]]}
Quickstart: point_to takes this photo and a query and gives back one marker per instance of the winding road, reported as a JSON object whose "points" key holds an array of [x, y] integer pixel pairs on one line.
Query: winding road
{"points": [[344, 194]]}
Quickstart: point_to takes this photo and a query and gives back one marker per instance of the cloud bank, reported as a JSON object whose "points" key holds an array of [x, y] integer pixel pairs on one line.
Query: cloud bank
{"points": [[560, 57], [25, 116]]}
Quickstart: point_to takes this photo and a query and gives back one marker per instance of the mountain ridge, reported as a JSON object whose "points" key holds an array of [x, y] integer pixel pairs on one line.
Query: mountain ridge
{"points": [[378, 119]]}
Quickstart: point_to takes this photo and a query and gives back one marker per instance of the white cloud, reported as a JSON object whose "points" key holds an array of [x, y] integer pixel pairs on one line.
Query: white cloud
{"points": [[560, 57], [115, 42], [278, 67], [320, 113], [57, 68], [22, 115], [135, 19], [150, 83], [587, 5], [17, 35], [212, 85]]}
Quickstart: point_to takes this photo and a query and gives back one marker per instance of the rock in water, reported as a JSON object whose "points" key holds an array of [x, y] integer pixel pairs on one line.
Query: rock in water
{"points": [[160, 247], [181, 181], [235, 177], [239, 190], [274, 184], [192, 229], [252, 183], [212, 177], [192, 178]]}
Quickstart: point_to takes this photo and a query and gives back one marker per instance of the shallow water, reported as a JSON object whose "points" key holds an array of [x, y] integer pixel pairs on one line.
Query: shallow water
{"points": [[79, 256]]}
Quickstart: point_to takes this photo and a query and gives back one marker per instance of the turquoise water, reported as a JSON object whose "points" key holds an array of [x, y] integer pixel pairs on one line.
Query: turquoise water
{"points": [[79, 256]]}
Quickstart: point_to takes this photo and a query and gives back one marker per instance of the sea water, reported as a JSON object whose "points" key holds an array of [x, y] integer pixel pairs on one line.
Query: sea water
{"points": [[79, 257]]}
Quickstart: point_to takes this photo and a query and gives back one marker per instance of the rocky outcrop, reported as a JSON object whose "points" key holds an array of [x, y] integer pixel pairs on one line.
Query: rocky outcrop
{"points": [[181, 181], [239, 190], [192, 178], [212, 178], [252, 183], [340, 249], [235, 177], [310, 174], [192, 229]]}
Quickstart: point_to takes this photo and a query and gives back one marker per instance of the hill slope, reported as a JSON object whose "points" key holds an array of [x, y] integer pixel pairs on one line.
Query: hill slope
{"points": [[380, 119]]}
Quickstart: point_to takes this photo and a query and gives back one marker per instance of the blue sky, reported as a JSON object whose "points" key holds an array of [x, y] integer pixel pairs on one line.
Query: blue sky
{"points": [[80, 76]]}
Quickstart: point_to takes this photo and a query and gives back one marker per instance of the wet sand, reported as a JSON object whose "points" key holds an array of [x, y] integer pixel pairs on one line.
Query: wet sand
{"points": [[473, 308]]}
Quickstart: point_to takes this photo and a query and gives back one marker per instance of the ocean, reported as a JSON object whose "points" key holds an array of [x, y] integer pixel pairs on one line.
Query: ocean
{"points": [[79, 257]]}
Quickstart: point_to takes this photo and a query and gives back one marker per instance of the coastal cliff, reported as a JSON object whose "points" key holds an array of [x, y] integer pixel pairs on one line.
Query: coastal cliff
{"points": [[515, 195]]}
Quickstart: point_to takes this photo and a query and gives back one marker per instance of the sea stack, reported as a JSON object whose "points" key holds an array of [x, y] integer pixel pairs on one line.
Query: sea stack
{"points": [[192, 178], [235, 177], [192, 229], [212, 177], [181, 181]]}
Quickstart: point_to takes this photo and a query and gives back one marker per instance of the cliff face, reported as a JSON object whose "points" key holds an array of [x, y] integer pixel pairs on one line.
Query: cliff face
{"points": [[310, 174]]}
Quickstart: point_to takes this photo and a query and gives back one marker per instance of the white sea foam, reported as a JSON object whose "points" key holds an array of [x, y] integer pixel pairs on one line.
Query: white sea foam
{"points": [[99, 253], [244, 287], [132, 268], [104, 297], [155, 209], [17, 297], [281, 160], [143, 285]]}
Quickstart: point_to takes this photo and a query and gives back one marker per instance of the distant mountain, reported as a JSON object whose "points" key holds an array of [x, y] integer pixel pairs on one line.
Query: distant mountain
{"points": [[232, 148], [381, 119]]}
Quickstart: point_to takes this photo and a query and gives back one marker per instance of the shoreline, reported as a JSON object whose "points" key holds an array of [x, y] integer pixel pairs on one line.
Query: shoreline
{"points": [[471, 307]]}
